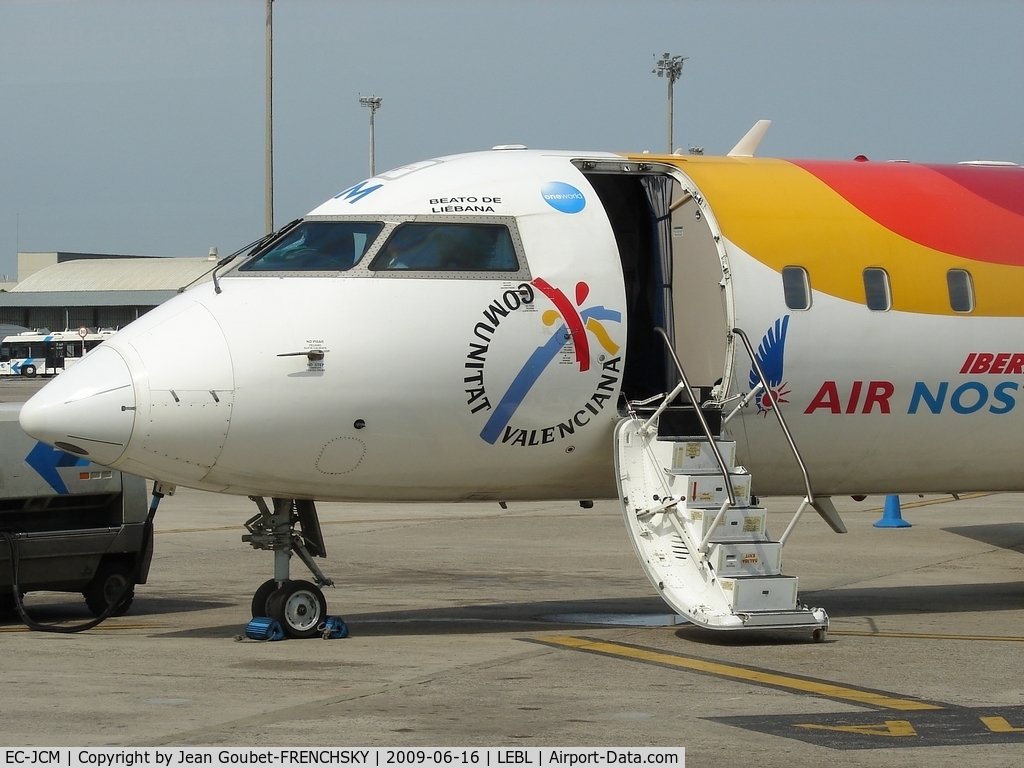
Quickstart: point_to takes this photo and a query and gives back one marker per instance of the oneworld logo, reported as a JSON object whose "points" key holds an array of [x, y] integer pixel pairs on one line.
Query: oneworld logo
{"points": [[563, 197]]}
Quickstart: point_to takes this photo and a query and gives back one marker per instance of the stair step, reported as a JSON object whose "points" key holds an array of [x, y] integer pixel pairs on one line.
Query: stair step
{"points": [[697, 456], [737, 526], [803, 618], [709, 491], [671, 492], [676, 423], [761, 593], [746, 559]]}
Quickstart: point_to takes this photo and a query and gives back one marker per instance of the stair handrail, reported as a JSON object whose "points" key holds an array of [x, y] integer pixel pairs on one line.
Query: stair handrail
{"points": [[778, 413], [700, 415], [662, 408]]}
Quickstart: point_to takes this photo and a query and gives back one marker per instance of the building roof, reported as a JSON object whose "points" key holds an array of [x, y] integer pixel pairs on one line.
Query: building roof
{"points": [[84, 298], [118, 275]]}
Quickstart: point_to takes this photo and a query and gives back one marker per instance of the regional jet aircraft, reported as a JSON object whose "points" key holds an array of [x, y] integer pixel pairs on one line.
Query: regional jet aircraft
{"points": [[518, 324]]}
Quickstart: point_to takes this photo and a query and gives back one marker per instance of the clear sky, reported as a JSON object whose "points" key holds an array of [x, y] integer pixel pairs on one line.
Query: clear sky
{"points": [[137, 126]]}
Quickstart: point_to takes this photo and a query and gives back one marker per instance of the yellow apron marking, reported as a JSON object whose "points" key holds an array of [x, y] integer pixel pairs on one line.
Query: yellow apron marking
{"points": [[201, 530], [100, 628], [888, 728], [376, 520], [926, 636], [999, 725], [816, 687]]}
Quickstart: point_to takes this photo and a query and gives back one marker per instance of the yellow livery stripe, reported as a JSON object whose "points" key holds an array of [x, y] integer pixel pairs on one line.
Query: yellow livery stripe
{"points": [[783, 215]]}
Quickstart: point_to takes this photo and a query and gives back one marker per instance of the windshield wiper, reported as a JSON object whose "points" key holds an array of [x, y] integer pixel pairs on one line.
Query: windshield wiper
{"points": [[252, 248]]}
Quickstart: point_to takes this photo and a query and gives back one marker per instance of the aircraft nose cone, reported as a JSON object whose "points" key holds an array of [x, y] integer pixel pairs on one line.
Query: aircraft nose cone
{"points": [[89, 410]]}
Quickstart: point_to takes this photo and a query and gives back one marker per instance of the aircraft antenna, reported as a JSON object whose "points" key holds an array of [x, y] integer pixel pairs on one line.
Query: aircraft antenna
{"points": [[670, 67], [373, 102]]}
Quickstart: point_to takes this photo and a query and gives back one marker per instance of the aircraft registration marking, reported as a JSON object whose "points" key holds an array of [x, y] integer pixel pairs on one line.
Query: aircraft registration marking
{"points": [[918, 723]]}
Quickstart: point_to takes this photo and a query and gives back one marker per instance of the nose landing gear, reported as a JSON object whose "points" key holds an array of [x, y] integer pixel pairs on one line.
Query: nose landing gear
{"points": [[299, 606]]}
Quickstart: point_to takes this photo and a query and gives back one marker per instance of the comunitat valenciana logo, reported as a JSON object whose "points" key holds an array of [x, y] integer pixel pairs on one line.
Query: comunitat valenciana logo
{"points": [[580, 343], [563, 197]]}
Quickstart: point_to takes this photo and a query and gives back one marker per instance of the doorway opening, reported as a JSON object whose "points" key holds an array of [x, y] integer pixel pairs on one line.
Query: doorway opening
{"points": [[673, 275]]}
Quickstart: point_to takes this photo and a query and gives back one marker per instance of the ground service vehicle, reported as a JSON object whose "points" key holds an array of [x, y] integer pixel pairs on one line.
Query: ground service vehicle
{"points": [[80, 526], [47, 353]]}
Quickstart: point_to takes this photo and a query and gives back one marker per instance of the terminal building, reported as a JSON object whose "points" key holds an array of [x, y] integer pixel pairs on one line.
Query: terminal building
{"points": [[64, 290]]}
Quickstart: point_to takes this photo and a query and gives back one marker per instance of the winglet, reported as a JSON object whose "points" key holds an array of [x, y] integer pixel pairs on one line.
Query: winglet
{"points": [[746, 146], [824, 506]]}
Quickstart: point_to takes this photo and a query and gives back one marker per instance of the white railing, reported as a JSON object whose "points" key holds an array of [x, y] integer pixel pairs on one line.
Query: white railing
{"points": [[713, 443]]}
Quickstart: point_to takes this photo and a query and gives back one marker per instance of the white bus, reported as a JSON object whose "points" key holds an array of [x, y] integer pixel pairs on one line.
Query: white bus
{"points": [[46, 353]]}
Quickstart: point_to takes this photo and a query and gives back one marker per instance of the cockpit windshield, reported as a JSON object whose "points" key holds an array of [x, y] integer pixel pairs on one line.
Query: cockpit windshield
{"points": [[448, 247], [317, 246]]}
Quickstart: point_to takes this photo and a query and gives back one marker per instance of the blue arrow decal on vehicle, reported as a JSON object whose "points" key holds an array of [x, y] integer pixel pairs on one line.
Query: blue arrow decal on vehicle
{"points": [[45, 459], [17, 366]]}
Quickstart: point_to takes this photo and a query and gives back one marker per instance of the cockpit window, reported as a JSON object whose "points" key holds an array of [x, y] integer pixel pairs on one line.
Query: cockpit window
{"points": [[445, 247], [317, 246]]}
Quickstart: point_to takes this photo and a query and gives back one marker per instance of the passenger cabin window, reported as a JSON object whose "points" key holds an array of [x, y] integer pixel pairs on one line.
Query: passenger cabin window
{"points": [[961, 290], [796, 287], [876, 289], [435, 247], [317, 246]]}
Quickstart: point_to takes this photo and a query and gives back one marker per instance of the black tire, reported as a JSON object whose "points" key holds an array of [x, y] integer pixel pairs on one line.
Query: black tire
{"points": [[28, 371], [7, 604], [105, 586], [261, 599], [300, 607]]}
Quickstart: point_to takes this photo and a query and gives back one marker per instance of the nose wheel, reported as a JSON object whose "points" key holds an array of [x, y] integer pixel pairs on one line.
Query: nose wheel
{"points": [[299, 606], [261, 600]]}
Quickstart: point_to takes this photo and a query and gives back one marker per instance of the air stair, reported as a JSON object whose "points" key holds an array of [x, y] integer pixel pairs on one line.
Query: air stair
{"points": [[699, 534]]}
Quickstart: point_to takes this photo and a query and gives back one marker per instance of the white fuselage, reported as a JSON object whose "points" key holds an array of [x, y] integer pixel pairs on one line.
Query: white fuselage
{"points": [[455, 385]]}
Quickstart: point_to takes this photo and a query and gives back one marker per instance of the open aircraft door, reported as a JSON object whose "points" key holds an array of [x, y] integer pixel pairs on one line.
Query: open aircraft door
{"points": [[675, 273], [696, 529]]}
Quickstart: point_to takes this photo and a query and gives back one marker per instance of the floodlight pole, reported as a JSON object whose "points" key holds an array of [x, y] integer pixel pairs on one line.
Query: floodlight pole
{"points": [[269, 152], [670, 67], [373, 102]]}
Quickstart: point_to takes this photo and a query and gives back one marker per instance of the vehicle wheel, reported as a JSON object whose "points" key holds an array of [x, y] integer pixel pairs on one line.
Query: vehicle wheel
{"points": [[820, 635], [300, 607], [7, 604], [28, 371], [261, 598], [106, 585]]}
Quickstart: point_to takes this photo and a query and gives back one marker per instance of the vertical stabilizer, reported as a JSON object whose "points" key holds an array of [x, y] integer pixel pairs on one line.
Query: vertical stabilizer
{"points": [[746, 146]]}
